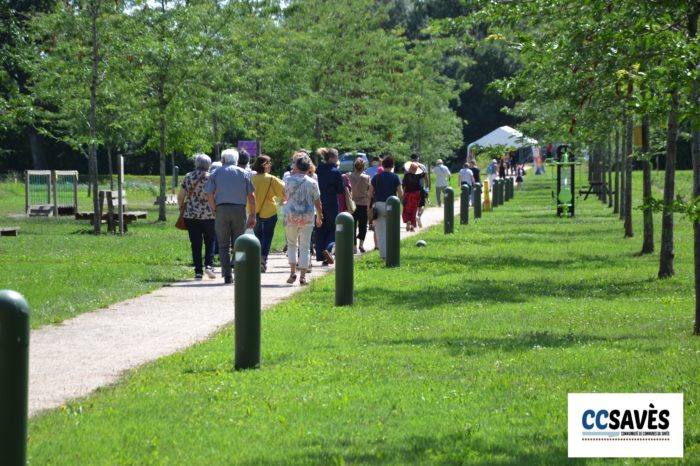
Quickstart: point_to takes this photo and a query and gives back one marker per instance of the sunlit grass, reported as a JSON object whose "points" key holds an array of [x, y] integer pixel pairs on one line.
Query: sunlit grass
{"points": [[463, 355]]}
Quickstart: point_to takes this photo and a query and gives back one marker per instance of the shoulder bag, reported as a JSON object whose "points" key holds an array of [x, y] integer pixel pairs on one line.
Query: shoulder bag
{"points": [[349, 203]]}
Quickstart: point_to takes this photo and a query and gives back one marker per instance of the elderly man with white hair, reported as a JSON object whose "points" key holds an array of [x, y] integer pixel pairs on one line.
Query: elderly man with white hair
{"points": [[229, 188]]}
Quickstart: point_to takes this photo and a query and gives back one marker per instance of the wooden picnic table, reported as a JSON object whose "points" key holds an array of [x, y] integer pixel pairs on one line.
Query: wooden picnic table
{"points": [[110, 217]]}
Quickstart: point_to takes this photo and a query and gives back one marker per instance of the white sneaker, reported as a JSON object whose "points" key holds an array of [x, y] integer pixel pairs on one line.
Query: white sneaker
{"points": [[210, 272]]}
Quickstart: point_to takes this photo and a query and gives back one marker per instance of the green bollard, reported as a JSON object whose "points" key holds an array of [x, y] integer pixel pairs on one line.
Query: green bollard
{"points": [[464, 204], [509, 190], [247, 301], [393, 231], [14, 377], [344, 259], [503, 191], [494, 194], [512, 187], [477, 200], [449, 222]]}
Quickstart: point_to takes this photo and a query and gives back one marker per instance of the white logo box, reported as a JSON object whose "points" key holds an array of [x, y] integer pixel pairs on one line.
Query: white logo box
{"points": [[625, 425]]}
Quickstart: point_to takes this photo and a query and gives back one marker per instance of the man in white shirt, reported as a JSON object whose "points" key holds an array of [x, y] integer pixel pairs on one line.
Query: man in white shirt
{"points": [[442, 178], [466, 176]]}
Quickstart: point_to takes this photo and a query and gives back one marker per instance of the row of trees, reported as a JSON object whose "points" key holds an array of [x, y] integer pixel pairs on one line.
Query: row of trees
{"points": [[183, 76], [592, 70]]}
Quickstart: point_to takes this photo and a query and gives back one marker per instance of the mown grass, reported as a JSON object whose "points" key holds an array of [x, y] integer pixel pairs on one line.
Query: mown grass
{"points": [[463, 355], [63, 269]]}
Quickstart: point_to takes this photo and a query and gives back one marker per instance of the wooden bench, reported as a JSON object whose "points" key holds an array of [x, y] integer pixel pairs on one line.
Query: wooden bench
{"points": [[110, 217], [9, 231]]}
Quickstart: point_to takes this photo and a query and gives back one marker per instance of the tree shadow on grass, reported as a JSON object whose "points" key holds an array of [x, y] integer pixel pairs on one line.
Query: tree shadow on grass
{"points": [[455, 289], [456, 448], [472, 346]]}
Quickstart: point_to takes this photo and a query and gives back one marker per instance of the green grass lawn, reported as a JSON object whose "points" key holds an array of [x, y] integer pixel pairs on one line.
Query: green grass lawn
{"points": [[463, 355], [62, 269]]}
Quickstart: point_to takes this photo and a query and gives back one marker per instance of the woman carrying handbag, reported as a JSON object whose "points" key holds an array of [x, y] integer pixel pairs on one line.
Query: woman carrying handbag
{"points": [[199, 218]]}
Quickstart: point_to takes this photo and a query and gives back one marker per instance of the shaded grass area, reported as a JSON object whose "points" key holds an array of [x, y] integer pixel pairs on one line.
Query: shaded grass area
{"points": [[463, 355], [64, 270]]}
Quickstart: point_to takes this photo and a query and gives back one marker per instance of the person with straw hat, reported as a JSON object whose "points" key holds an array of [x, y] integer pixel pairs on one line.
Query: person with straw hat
{"points": [[412, 191]]}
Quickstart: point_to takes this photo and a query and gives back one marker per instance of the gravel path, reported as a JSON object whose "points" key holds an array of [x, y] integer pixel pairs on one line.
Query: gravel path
{"points": [[72, 359]]}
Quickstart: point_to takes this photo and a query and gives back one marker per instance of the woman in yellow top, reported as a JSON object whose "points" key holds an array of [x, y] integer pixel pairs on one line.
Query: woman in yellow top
{"points": [[267, 188]]}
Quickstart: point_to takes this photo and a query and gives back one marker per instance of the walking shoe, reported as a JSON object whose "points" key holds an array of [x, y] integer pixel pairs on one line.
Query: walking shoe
{"points": [[263, 267], [420, 224], [210, 272], [329, 259], [198, 276], [228, 280]]}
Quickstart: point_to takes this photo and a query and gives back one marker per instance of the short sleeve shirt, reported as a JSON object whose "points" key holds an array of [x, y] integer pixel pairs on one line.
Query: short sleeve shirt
{"points": [[466, 176], [267, 188], [385, 184], [196, 204], [230, 185], [441, 174], [302, 192]]}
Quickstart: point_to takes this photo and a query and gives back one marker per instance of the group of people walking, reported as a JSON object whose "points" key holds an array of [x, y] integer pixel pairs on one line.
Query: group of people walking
{"points": [[220, 201]]}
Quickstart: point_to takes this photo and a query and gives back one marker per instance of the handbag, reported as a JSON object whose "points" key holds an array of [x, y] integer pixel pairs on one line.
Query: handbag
{"points": [[180, 224], [349, 203]]}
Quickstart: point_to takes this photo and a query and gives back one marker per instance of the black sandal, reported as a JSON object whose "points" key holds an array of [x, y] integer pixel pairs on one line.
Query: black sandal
{"points": [[302, 281], [292, 278]]}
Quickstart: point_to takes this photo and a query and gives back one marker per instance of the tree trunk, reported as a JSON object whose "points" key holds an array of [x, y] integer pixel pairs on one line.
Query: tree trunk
{"points": [[37, 149], [629, 165], [616, 204], [693, 11], [92, 158], [609, 173], [217, 146], [667, 250], [623, 170], [161, 150], [603, 186], [648, 240], [109, 168]]}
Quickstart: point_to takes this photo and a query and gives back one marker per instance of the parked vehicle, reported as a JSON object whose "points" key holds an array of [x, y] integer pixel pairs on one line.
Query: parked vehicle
{"points": [[347, 161]]}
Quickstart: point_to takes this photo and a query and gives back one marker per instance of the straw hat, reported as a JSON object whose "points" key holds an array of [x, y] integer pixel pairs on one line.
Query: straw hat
{"points": [[438, 162], [412, 167]]}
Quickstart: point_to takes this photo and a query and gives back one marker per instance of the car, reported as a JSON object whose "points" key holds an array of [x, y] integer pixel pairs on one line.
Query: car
{"points": [[347, 161]]}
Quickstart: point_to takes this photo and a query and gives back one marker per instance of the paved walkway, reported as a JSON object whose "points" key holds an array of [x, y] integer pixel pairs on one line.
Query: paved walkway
{"points": [[74, 358]]}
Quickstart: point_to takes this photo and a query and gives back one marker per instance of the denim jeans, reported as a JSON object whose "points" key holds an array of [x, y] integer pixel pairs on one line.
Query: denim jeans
{"points": [[264, 230], [201, 231]]}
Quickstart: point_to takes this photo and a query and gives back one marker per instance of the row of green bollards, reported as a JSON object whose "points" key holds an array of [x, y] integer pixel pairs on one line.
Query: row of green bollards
{"points": [[14, 377], [14, 313]]}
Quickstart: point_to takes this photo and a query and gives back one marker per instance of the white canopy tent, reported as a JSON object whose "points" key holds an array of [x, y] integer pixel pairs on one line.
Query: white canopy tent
{"points": [[505, 136]]}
